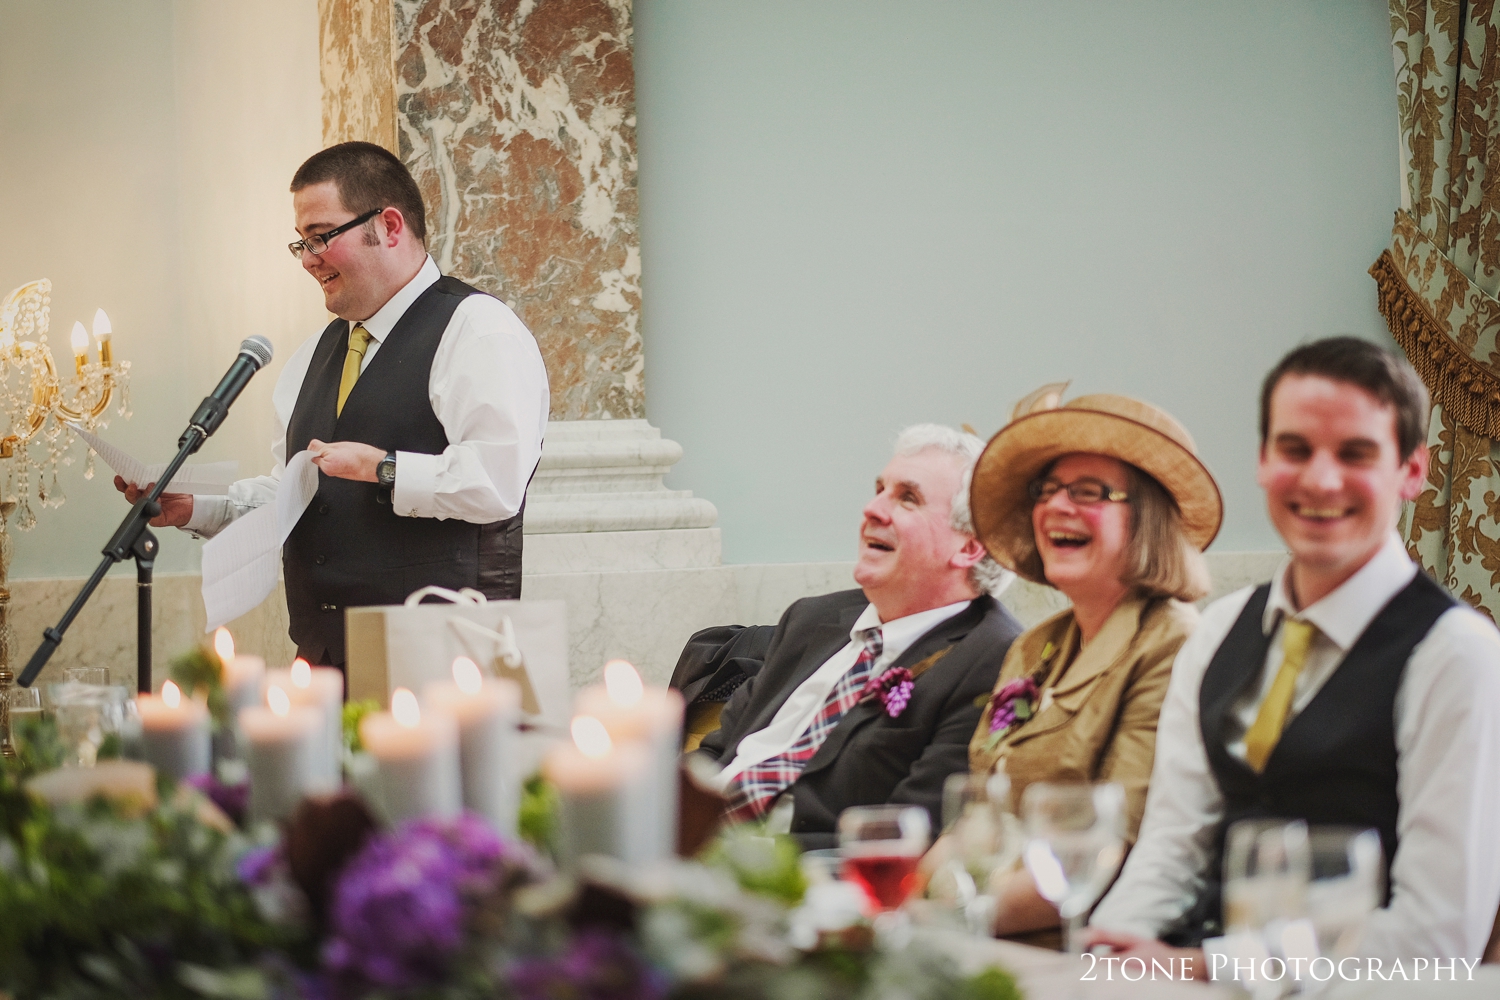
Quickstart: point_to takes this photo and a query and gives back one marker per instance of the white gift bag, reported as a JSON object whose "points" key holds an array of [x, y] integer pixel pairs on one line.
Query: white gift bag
{"points": [[409, 644]]}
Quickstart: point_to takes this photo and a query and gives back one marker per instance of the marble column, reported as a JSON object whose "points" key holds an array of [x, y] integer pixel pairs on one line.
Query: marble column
{"points": [[517, 118]]}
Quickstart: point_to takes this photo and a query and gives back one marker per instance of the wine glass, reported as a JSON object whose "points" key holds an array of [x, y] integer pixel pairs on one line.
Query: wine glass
{"points": [[1076, 842], [985, 842], [1266, 870], [881, 846], [1347, 885]]}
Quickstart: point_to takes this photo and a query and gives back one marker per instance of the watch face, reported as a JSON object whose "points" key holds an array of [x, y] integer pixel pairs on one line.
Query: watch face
{"points": [[386, 471]]}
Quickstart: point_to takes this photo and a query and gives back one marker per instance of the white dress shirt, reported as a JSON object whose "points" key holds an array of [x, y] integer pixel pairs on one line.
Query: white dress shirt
{"points": [[802, 705], [1445, 877], [488, 388]]}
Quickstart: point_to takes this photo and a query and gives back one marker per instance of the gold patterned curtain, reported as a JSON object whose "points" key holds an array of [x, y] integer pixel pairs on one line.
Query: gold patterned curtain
{"points": [[1439, 281]]}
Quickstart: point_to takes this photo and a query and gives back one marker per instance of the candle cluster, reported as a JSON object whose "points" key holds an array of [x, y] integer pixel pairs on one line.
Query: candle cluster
{"points": [[455, 749]]}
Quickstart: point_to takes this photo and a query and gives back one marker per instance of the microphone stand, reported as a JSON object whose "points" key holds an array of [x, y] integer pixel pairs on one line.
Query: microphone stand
{"points": [[133, 539]]}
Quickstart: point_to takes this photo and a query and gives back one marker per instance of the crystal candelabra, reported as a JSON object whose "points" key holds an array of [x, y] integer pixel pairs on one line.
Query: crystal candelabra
{"points": [[40, 405]]}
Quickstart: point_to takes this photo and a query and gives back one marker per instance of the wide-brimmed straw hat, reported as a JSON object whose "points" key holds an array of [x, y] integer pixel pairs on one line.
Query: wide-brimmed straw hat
{"points": [[1041, 430]]}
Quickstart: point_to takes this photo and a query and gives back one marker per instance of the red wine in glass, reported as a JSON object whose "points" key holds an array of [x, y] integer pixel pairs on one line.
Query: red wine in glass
{"points": [[887, 879]]}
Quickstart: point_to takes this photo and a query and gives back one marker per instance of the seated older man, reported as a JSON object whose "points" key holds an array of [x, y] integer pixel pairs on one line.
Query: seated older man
{"points": [[824, 725]]}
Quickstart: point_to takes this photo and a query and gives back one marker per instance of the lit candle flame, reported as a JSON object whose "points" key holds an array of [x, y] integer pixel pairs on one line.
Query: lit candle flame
{"points": [[171, 695], [623, 683], [80, 340], [591, 736], [301, 673], [466, 675], [102, 329], [278, 700], [224, 645], [404, 708]]}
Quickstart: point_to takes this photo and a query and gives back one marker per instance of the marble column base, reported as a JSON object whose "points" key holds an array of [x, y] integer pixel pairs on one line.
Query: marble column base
{"points": [[642, 615]]}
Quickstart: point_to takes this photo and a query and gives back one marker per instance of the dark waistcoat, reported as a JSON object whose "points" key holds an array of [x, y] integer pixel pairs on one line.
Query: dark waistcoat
{"points": [[1336, 760], [350, 548]]}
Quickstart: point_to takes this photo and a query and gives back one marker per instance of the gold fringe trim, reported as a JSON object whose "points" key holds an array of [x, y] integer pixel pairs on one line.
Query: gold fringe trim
{"points": [[1468, 391]]}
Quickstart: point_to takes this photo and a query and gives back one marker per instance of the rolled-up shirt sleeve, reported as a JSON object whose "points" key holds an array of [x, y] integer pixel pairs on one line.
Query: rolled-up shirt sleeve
{"points": [[489, 391]]}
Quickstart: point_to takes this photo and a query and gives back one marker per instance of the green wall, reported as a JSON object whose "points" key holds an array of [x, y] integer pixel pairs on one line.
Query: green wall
{"points": [[859, 214]]}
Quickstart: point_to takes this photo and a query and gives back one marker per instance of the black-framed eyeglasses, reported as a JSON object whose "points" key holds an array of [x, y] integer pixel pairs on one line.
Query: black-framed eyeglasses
{"points": [[318, 242], [1084, 492]]}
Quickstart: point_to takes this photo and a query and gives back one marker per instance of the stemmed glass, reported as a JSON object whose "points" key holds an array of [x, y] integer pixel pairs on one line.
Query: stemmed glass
{"points": [[985, 841], [1076, 842], [1348, 884], [1266, 869], [881, 846]]}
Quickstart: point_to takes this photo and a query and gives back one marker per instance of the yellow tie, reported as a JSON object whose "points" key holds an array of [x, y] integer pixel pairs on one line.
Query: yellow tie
{"points": [[1261, 738], [359, 339]]}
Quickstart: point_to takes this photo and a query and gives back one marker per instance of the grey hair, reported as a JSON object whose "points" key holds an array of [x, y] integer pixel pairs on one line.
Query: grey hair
{"points": [[987, 576]]}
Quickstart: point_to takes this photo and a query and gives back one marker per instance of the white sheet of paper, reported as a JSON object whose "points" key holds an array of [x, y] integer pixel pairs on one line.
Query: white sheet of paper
{"points": [[240, 563], [210, 478]]}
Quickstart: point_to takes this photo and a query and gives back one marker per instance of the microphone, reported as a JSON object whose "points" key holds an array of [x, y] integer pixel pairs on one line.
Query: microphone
{"points": [[255, 353]]}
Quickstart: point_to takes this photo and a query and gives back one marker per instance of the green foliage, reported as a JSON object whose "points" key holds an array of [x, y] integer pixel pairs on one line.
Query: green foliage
{"points": [[537, 823], [37, 745], [354, 713], [97, 903], [766, 865], [991, 984], [199, 669]]}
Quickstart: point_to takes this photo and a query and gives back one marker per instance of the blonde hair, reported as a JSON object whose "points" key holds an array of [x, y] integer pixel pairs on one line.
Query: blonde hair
{"points": [[1159, 560]]}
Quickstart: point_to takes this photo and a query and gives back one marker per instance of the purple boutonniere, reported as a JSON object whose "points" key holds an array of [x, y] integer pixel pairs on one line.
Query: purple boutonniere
{"points": [[893, 688], [1013, 704]]}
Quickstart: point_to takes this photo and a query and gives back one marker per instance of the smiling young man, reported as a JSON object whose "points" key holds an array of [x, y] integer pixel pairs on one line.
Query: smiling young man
{"points": [[1351, 690], [810, 730], [423, 404]]}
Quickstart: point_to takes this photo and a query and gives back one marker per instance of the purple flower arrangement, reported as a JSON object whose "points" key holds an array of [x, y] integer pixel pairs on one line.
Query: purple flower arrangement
{"points": [[402, 906], [596, 965], [893, 688]]}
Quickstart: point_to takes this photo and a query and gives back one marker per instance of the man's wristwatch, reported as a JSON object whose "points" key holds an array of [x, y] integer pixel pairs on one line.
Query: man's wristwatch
{"points": [[385, 472]]}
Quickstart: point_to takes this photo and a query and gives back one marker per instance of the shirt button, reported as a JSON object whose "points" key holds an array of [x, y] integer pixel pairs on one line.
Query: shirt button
{"points": [[330, 607], [322, 508], [320, 560]]}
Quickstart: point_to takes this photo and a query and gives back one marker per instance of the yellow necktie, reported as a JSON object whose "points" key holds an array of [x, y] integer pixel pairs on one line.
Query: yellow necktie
{"points": [[359, 339], [1261, 738]]}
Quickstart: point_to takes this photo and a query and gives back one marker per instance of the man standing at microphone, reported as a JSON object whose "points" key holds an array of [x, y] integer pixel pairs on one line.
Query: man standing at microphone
{"points": [[423, 404]]}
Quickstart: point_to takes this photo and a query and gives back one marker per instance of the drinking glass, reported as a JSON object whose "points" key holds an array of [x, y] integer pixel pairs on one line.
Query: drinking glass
{"points": [[85, 715], [87, 675], [881, 846], [1266, 870], [1075, 844], [985, 841], [1348, 884]]}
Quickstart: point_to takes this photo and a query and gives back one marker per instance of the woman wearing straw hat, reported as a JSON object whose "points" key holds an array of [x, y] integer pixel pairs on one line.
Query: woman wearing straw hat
{"points": [[1103, 498]]}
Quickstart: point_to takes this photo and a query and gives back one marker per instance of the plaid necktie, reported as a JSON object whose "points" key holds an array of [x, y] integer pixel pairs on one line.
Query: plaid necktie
{"points": [[359, 339], [757, 786]]}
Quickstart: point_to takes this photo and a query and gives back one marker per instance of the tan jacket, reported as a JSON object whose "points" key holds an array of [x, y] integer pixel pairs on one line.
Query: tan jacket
{"points": [[1098, 708]]}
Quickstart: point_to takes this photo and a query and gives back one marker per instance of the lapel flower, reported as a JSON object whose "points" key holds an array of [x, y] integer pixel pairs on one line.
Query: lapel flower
{"points": [[893, 688], [1013, 704]]}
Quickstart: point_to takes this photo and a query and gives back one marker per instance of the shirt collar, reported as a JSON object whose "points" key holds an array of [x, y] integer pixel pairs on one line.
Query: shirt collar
{"points": [[385, 318], [1344, 614], [898, 633]]}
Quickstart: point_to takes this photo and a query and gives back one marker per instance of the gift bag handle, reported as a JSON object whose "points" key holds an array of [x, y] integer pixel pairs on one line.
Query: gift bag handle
{"points": [[467, 595]]}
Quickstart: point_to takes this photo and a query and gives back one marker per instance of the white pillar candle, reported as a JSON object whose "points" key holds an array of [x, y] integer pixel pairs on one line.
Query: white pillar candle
{"points": [[323, 689], [488, 711], [651, 717], [174, 732], [416, 755], [284, 751], [242, 674], [603, 806]]}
